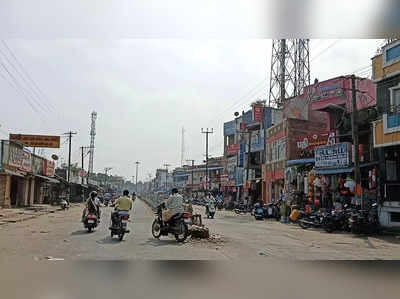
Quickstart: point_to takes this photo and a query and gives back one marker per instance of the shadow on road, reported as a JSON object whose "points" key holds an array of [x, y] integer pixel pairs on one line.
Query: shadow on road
{"points": [[109, 240], [79, 232], [158, 243]]}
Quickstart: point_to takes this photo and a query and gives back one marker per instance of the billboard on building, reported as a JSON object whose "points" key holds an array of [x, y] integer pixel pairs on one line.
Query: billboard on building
{"points": [[233, 149], [258, 113], [231, 166], [229, 128], [333, 156], [306, 143], [36, 140]]}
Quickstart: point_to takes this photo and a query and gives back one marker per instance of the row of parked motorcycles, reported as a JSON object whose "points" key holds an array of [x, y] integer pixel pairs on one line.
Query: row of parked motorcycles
{"points": [[354, 220], [267, 211]]}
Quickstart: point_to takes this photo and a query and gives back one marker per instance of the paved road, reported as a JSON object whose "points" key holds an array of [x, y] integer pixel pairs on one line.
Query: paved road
{"points": [[61, 235]]}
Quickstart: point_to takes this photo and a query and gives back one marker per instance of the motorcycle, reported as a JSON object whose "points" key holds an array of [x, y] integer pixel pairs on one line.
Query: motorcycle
{"points": [[337, 221], [241, 209], [119, 227], [64, 204], [315, 220], [365, 221], [258, 212], [220, 205], [272, 210], [210, 211], [177, 225], [91, 221]]}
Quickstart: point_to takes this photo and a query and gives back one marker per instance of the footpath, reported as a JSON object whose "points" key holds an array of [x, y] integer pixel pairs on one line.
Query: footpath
{"points": [[26, 213]]}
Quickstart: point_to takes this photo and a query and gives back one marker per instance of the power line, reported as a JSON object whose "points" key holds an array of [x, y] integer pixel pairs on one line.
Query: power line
{"points": [[32, 93], [27, 74], [18, 90], [324, 50]]}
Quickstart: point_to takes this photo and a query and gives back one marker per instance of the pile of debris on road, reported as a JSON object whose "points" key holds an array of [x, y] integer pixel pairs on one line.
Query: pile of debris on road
{"points": [[214, 240]]}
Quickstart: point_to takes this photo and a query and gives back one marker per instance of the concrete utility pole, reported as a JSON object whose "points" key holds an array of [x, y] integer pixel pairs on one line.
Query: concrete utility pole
{"points": [[354, 133], [191, 172], [106, 173], [69, 134], [137, 165], [82, 153], [207, 132], [166, 175]]}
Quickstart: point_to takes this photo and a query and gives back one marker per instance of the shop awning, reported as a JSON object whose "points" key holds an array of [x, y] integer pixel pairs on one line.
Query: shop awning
{"points": [[13, 173], [51, 180], [334, 170], [300, 161]]}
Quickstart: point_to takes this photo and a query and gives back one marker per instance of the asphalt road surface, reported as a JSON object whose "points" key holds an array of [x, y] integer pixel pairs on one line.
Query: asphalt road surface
{"points": [[61, 235]]}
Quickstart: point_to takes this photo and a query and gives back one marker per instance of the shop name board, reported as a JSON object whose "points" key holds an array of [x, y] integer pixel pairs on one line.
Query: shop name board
{"points": [[258, 113], [333, 156], [309, 141], [233, 149], [36, 140], [49, 168]]}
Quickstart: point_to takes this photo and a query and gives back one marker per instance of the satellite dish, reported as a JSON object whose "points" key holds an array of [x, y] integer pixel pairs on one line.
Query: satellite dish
{"points": [[54, 157]]}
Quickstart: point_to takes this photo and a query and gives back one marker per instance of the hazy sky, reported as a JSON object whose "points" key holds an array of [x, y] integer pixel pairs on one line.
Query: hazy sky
{"points": [[145, 90]]}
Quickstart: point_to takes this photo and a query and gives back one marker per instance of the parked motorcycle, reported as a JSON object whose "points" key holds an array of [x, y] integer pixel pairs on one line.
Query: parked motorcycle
{"points": [[315, 220], [90, 222], [119, 226], [272, 210], [64, 204], [220, 205], [241, 209], [177, 225], [258, 212], [365, 221], [337, 220]]}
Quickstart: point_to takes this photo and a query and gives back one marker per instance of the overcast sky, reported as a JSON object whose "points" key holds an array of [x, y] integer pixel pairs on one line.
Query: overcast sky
{"points": [[145, 90]]}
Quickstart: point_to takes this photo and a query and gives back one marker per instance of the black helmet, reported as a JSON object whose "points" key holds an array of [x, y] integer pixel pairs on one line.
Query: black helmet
{"points": [[133, 194], [126, 192], [93, 194]]}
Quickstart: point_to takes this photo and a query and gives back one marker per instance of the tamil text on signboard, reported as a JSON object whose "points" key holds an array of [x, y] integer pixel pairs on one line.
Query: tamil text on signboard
{"points": [[333, 156], [36, 140]]}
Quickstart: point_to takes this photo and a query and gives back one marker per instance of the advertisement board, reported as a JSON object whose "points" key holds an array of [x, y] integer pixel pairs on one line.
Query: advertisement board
{"points": [[15, 156], [333, 156], [239, 176], [257, 141], [26, 161], [258, 113], [233, 149], [48, 168], [231, 166], [229, 128], [36, 140], [306, 143], [37, 165]]}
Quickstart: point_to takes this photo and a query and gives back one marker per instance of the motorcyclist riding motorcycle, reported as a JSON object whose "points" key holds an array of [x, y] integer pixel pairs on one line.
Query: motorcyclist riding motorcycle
{"points": [[92, 206], [123, 203], [174, 205], [210, 201]]}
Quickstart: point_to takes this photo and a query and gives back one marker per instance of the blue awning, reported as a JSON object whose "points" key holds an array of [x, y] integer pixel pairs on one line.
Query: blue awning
{"points": [[334, 170], [300, 161]]}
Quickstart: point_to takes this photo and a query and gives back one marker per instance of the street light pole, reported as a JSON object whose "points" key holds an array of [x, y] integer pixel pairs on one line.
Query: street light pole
{"points": [[137, 165]]}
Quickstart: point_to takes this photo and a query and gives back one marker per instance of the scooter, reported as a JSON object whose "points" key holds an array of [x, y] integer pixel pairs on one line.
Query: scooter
{"points": [[90, 222], [64, 204], [258, 212], [119, 227], [365, 221]]}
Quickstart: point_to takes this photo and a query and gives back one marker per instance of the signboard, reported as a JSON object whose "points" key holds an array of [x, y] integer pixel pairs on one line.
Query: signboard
{"points": [[333, 156], [241, 155], [82, 173], [306, 143], [248, 117], [229, 128], [37, 165], [231, 166], [233, 149], [239, 176], [36, 140], [15, 156], [258, 113], [26, 161], [48, 168], [257, 141]]}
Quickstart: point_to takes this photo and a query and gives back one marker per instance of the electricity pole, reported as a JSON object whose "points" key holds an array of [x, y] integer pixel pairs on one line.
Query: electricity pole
{"points": [[166, 175], [354, 133], [82, 153], [106, 173], [207, 132], [137, 165], [69, 134], [192, 172]]}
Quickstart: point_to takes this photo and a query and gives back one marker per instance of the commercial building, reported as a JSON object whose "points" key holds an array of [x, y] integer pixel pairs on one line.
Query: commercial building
{"points": [[386, 132]]}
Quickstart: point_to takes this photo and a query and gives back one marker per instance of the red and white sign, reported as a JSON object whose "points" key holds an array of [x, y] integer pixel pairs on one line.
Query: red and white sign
{"points": [[26, 161], [233, 149], [258, 113], [82, 173], [48, 168], [308, 142]]}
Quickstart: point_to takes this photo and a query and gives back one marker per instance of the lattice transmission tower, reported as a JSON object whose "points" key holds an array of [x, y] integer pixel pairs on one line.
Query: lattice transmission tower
{"points": [[92, 138], [290, 69]]}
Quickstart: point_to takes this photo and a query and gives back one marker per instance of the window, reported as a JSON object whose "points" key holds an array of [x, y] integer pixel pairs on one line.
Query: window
{"points": [[395, 98], [391, 171], [391, 54]]}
